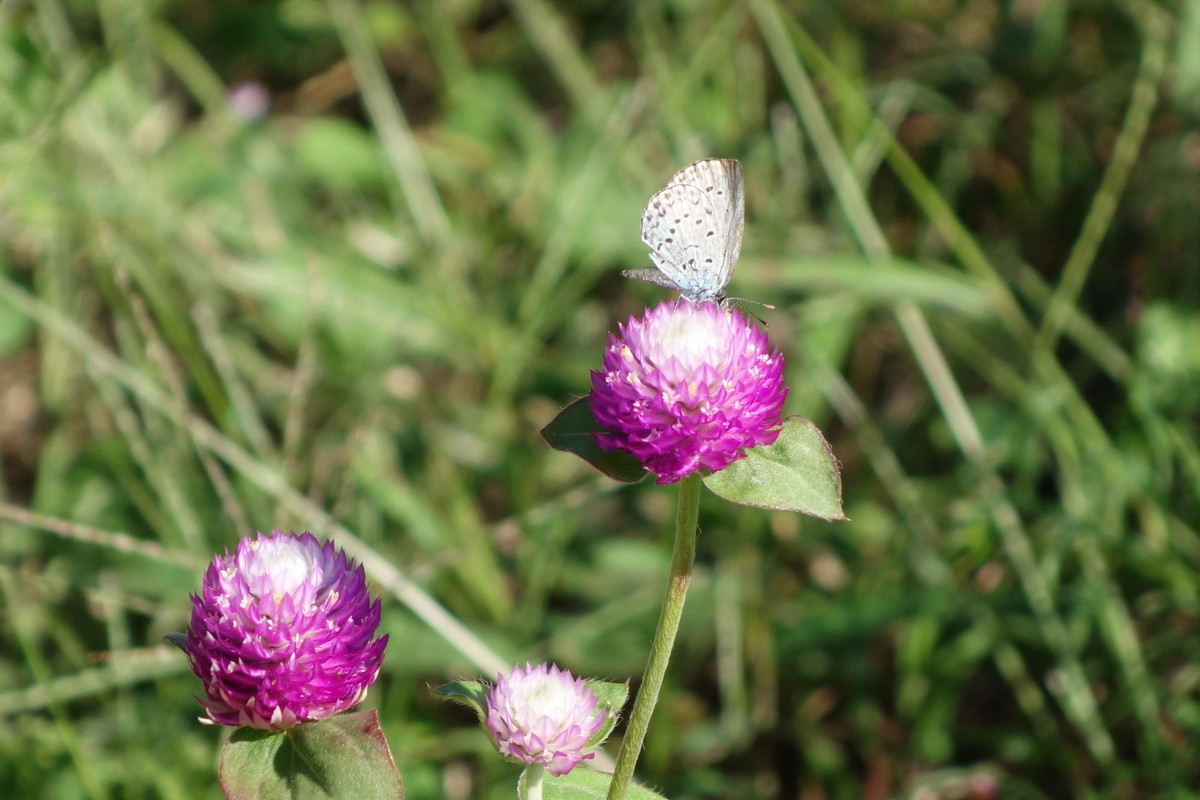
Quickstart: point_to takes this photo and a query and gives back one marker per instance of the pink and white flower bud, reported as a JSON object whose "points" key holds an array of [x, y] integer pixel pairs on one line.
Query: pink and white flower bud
{"points": [[544, 715]]}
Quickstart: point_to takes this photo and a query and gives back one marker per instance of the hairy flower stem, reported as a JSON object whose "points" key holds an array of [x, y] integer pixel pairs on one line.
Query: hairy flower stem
{"points": [[533, 781], [684, 554]]}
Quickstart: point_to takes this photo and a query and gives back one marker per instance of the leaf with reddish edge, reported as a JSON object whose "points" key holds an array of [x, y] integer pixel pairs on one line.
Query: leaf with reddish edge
{"points": [[340, 757]]}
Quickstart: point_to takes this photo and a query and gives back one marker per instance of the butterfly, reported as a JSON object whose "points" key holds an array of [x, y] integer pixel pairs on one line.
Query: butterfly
{"points": [[694, 230]]}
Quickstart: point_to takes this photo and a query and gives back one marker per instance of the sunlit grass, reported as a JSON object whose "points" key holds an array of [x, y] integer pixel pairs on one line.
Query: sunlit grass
{"points": [[977, 224]]}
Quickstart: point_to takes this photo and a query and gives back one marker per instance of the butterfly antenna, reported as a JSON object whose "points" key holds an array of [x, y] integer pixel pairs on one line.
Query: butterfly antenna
{"points": [[742, 302]]}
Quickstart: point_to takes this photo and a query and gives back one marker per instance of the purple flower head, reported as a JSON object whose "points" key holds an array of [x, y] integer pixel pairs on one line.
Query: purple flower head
{"points": [[540, 715], [688, 386], [281, 633]]}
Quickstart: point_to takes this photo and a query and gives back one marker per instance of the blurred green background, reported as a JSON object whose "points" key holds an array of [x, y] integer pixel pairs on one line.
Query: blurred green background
{"points": [[331, 265]]}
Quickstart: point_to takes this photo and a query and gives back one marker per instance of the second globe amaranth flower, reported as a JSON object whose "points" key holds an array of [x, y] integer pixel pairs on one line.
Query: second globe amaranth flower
{"points": [[544, 715], [688, 386], [281, 633]]}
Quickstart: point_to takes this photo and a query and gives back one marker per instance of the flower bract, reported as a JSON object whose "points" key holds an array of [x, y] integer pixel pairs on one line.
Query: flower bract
{"points": [[281, 632], [688, 386], [544, 715]]}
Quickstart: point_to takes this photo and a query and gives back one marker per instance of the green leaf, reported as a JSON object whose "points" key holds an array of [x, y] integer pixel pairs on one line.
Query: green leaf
{"points": [[869, 281], [15, 331], [338, 153], [472, 694], [582, 784], [343, 756], [571, 431], [611, 697], [796, 473]]}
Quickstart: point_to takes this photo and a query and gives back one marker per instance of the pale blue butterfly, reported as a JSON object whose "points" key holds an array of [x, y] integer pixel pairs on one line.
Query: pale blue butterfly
{"points": [[694, 230]]}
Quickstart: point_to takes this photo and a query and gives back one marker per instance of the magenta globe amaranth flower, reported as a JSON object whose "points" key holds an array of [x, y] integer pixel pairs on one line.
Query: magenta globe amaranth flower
{"points": [[688, 386], [546, 716], [281, 633]]}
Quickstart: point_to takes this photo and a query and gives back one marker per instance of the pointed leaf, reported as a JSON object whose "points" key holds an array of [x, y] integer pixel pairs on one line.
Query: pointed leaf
{"points": [[796, 473], [469, 693], [611, 697], [343, 756], [571, 431], [582, 783]]}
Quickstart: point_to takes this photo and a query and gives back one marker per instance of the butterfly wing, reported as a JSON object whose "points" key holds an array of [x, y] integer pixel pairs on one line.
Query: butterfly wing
{"points": [[694, 229]]}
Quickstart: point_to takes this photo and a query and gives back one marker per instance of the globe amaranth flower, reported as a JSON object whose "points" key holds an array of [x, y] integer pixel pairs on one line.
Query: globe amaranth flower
{"points": [[281, 633], [688, 386], [544, 715]]}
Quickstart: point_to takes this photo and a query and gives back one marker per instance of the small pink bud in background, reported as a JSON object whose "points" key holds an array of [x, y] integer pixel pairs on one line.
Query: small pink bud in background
{"points": [[249, 101]]}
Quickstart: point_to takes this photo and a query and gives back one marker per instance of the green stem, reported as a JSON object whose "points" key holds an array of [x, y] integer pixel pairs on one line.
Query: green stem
{"points": [[664, 637], [533, 781]]}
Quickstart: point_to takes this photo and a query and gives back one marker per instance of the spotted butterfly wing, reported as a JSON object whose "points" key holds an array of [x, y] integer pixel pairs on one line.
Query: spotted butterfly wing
{"points": [[694, 230]]}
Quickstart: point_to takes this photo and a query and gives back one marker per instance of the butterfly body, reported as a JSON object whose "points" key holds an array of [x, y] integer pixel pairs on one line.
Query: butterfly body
{"points": [[693, 228]]}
